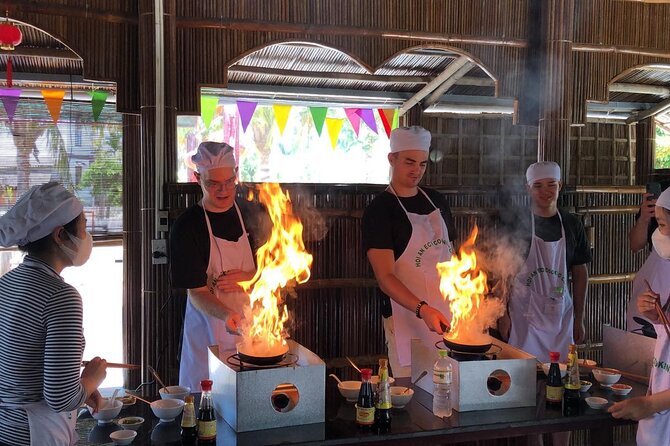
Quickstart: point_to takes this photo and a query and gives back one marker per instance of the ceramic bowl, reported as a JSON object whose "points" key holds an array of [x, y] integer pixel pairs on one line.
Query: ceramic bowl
{"points": [[175, 392], [130, 423], [399, 397], [595, 402], [123, 437], [585, 386], [587, 362], [167, 410], [561, 366], [621, 389], [606, 376], [349, 390], [106, 414], [127, 400], [374, 379]]}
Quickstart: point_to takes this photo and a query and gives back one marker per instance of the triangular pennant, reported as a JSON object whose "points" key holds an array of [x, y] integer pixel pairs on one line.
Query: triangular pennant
{"points": [[98, 99], [396, 119], [386, 115], [334, 125], [208, 108], [54, 101], [354, 119], [281, 116], [369, 118], [319, 116], [246, 110], [10, 99]]}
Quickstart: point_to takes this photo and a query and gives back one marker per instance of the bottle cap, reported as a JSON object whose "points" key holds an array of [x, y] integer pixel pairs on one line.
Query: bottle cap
{"points": [[554, 356], [383, 363], [206, 384], [443, 353], [188, 399], [366, 373]]}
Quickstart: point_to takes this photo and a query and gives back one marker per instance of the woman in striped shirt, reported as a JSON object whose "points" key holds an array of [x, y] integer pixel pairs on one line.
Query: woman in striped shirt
{"points": [[41, 334]]}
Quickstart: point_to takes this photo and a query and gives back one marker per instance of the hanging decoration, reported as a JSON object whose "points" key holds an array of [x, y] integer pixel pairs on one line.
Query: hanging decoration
{"points": [[319, 117], [387, 116], [98, 99], [10, 99], [10, 34], [246, 110], [354, 119], [334, 126], [54, 101], [368, 118], [208, 108], [281, 116]]}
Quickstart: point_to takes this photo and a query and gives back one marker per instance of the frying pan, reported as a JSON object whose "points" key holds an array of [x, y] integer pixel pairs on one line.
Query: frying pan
{"points": [[260, 360], [466, 348]]}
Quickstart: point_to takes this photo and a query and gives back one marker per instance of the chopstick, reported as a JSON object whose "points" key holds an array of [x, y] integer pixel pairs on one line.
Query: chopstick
{"points": [[158, 378], [659, 310], [352, 363], [115, 365], [138, 397]]}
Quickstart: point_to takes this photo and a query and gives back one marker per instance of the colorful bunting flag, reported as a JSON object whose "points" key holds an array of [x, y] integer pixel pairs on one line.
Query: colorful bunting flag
{"points": [[246, 110], [54, 101], [281, 116], [396, 119], [98, 99], [334, 125], [319, 116], [10, 99], [208, 108], [386, 115], [369, 118], [354, 118]]}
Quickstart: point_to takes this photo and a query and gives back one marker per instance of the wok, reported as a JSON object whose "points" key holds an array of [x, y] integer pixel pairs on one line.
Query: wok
{"points": [[254, 359], [466, 348]]}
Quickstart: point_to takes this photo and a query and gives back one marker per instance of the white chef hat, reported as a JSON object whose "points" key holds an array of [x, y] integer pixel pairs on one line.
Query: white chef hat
{"points": [[542, 170], [410, 138], [38, 212], [212, 155], [664, 199]]}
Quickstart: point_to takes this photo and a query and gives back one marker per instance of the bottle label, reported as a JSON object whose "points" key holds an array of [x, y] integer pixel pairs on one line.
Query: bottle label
{"points": [[365, 415], [207, 430], [554, 394], [441, 377]]}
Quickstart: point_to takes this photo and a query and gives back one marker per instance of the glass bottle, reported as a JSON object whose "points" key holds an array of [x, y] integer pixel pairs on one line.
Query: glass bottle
{"points": [[572, 385], [206, 416], [365, 407], [383, 404], [554, 386], [189, 428]]}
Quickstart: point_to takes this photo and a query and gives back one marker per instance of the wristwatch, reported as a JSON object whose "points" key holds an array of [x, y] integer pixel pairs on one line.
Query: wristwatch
{"points": [[417, 311]]}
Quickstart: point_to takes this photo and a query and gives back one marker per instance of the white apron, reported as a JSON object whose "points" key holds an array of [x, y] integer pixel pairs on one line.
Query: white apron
{"points": [[655, 430], [656, 270], [540, 305], [416, 269], [201, 330]]}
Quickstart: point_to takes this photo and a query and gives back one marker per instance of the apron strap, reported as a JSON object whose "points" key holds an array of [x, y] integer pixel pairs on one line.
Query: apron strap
{"points": [[400, 202], [211, 233]]}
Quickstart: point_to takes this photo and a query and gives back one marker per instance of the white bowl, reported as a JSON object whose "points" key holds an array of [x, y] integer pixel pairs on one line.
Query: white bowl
{"points": [[398, 398], [587, 362], [123, 437], [130, 423], [621, 389], [176, 392], [585, 386], [349, 390], [595, 402], [563, 368], [606, 376], [167, 410], [106, 414], [374, 379]]}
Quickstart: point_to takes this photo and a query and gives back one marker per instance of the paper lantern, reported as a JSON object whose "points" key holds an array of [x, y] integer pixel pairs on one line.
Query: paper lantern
{"points": [[10, 36]]}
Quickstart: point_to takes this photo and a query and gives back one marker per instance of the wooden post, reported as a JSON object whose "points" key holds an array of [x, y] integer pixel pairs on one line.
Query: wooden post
{"points": [[644, 150], [556, 105]]}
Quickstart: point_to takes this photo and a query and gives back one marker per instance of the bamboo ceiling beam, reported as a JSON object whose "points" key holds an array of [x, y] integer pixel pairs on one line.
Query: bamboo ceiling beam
{"points": [[659, 108], [446, 85], [448, 72], [656, 90], [41, 53], [620, 49], [298, 28], [387, 79], [48, 8]]}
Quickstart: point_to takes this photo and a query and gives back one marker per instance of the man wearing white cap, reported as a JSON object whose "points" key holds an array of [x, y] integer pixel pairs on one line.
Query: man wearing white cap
{"points": [[544, 315], [41, 381], [407, 230], [212, 247]]}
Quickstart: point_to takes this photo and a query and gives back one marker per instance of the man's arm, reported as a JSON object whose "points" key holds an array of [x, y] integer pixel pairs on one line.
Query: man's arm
{"points": [[382, 262], [638, 234], [206, 302], [580, 278]]}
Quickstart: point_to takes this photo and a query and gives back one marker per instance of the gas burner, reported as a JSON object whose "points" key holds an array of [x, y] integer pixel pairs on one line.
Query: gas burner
{"points": [[491, 353], [234, 360]]}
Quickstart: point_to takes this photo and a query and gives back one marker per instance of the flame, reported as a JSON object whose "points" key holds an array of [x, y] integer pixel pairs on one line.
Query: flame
{"points": [[463, 284], [281, 261]]}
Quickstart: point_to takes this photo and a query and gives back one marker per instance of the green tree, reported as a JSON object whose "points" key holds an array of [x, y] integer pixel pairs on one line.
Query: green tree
{"points": [[104, 175]]}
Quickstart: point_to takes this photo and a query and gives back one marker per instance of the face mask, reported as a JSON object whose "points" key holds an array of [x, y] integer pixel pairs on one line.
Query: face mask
{"points": [[83, 251], [661, 244]]}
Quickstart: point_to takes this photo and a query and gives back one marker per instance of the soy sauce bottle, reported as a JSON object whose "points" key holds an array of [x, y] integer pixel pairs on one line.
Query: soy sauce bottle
{"points": [[189, 427], [365, 406], [554, 388], [206, 416]]}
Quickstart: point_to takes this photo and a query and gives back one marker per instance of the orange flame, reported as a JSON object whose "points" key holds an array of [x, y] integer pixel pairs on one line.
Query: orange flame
{"points": [[280, 260], [463, 284]]}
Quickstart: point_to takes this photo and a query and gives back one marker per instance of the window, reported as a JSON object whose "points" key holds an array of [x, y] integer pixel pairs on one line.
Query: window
{"points": [[299, 155], [662, 142]]}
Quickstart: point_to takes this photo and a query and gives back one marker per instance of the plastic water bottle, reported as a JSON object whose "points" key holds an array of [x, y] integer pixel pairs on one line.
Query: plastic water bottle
{"points": [[442, 386]]}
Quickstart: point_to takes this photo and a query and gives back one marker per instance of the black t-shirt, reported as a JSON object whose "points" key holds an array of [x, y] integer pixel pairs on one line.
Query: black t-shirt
{"points": [[386, 226], [189, 239]]}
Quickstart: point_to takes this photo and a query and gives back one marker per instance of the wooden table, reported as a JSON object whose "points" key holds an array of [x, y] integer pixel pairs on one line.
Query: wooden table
{"points": [[415, 423]]}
